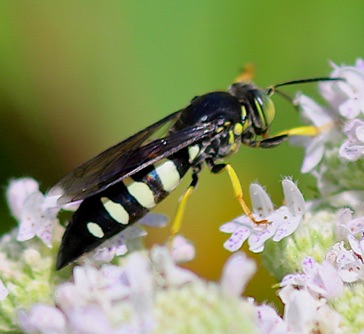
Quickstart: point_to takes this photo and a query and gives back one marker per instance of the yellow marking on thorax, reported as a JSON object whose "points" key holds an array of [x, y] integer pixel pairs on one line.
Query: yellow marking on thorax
{"points": [[193, 151]]}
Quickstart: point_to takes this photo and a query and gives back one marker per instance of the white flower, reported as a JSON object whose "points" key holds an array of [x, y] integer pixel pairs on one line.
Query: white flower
{"points": [[281, 222], [43, 319], [347, 225], [3, 291], [353, 148], [348, 95], [305, 314], [236, 273], [171, 274], [129, 238], [182, 250], [32, 209], [270, 322], [320, 280], [324, 120]]}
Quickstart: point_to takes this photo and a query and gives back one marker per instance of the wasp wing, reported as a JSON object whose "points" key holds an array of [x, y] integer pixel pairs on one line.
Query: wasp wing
{"points": [[125, 159], [86, 178]]}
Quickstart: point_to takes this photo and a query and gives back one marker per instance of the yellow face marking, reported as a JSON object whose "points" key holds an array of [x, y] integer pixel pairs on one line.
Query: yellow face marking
{"points": [[243, 113], [142, 193], [168, 174], [238, 129], [95, 230], [116, 211], [261, 114], [231, 137], [219, 129]]}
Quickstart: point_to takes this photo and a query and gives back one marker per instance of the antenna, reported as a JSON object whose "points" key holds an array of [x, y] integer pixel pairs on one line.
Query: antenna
{"points": [[272, 89]]}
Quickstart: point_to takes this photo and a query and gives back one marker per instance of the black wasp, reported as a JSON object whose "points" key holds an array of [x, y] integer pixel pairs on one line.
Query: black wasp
{"points": [[121, 185]]}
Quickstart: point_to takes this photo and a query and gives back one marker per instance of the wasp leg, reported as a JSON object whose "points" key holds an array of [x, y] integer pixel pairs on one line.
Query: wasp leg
{"points": [[269, 142], [309, 130], [238, 191], [177, 220]]}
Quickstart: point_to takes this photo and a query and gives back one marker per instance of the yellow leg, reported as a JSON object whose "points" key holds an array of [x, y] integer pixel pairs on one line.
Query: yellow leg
{"points": [[238, 191], [177, 220], [310, 131]]}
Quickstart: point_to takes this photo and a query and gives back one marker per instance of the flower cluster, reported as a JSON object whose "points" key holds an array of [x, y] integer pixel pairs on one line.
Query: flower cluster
{"points": [[323, 243], [315, 250], [282, 222]]}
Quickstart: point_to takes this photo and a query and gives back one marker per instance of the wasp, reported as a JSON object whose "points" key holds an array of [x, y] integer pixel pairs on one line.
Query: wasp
{"points": [[123, 183]]}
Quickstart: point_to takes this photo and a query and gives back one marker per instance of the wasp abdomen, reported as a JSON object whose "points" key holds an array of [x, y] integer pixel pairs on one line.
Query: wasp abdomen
{"points": [[102, 216]]}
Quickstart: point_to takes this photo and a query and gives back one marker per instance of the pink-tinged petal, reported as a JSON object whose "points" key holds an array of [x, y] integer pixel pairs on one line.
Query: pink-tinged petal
{"points": [[309, 265], [237, 271], [350, 127], [354, 244], [287, 228], [26, 230], [351, 152], [229, 227], [42, 319], [163, 263], [45, 233], [344, 216], [359, 132], [182, 250], [300, 311], [345, 257], [3, 291], [350, 109], [104, 254], [89, 319], [120, 249], [359, 64], [269, 321], [257, 239], [312, 111], [356, 225], [133, 231], [293, 279], [17, 193], [237, 239], [154, 220], [350, 272], [331, 281]]}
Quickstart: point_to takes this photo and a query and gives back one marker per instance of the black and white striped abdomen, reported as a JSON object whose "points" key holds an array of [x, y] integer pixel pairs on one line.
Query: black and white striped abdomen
{"points": [[102, 216]]}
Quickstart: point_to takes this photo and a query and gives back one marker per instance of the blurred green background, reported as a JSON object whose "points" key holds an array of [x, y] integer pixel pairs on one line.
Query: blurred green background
{"points": [[77, 77]]}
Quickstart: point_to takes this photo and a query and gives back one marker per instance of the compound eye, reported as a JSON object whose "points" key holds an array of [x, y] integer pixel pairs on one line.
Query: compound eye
{"points": [[269, 110], [266, 109]]}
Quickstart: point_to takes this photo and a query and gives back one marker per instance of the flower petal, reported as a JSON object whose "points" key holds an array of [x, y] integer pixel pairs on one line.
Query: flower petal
{"points": [[293, 198], [237, 239], [237, 271], [261, 202]]}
